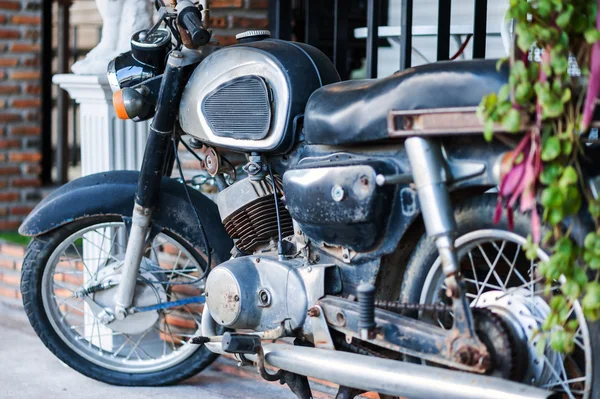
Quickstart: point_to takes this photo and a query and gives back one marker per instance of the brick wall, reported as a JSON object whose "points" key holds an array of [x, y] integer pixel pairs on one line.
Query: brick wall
{"points": [[230, 17], [19, 109], [11, 259]]}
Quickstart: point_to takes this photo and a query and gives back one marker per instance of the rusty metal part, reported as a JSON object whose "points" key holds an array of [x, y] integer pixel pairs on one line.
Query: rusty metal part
{"points": [[401, 307], [405, 335], [314, 312], [441, 122]]}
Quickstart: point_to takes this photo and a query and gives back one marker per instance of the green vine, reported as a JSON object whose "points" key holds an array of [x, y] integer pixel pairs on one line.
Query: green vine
{"points": [[543, 172]]}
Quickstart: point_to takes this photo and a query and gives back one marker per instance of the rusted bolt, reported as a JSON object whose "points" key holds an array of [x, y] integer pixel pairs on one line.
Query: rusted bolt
{"points": [[364, 180], [313, 312], [463, 355]]}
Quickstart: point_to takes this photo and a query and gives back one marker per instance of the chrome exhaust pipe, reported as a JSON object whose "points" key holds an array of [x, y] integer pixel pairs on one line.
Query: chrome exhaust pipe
{"points": [[386, 376]]}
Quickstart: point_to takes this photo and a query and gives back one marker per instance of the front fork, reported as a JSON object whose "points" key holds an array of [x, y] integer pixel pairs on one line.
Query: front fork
{"points": [[154, 166], [431, 175]]}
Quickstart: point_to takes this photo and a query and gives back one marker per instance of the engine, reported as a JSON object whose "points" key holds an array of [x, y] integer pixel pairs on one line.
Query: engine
{"points": [[247, 209]]}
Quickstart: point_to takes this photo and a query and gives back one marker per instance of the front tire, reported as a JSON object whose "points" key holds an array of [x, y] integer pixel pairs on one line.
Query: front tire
{"points": [[160, 357], [491, 273]]}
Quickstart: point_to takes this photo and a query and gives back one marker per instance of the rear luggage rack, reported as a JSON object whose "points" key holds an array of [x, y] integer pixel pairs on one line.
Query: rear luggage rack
{"points": [[440, 122]]}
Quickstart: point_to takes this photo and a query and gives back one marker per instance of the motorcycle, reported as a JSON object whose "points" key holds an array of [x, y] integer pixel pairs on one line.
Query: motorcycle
{"points": [[356, 245]]}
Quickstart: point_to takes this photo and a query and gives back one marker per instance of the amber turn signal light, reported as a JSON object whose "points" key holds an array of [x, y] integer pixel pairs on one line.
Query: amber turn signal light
{"points": [[119, 105]]}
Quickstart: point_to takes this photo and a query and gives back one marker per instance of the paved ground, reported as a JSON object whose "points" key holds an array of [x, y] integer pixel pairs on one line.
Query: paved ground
{"points": [[29, 370]]}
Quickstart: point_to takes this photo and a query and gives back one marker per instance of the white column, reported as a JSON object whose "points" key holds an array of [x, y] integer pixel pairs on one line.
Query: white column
{"points": [[107, 143]]}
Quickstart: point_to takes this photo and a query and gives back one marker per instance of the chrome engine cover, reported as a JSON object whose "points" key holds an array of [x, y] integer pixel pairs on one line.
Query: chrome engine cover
{"points": [[263, 293]]}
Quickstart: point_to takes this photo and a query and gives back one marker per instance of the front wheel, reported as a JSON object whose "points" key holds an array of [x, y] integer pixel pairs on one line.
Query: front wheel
{"points": [[144, 349], [500, 279]]}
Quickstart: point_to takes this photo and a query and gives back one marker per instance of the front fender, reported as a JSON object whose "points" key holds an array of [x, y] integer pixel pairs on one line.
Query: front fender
{"points": [[112, 193]]}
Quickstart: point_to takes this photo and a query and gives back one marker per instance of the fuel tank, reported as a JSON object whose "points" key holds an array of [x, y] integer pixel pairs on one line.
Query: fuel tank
{"points": [[250, 96]]}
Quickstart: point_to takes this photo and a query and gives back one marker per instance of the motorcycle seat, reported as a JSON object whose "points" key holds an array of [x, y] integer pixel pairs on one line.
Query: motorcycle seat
{"points": [[355, 111]]}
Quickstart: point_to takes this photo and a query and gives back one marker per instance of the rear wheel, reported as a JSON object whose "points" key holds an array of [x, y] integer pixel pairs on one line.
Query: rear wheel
{"points": [[500, 279], [148, 348]]}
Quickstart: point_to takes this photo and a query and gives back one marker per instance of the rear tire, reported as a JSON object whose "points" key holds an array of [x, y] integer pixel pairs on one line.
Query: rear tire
{"points": [[36, 260], [472, 216]]}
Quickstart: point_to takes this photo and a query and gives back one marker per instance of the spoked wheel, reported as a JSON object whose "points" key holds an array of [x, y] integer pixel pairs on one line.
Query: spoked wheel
{"points": [[146, 348], [502, 282]]}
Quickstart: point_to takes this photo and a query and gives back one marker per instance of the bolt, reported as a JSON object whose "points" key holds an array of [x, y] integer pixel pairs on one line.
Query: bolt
{"points": [[236, 298], [176, 54], [309, 269], [257, 260], [313, 312], [337, 193], [364, 180]]}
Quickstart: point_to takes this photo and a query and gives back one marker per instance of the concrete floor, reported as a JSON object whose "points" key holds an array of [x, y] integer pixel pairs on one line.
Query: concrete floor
{"points": [[29, 370]]}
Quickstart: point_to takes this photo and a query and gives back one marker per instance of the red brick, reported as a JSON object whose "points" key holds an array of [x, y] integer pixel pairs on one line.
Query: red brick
{"points": [[26, 20], [24, 157], [218, 22], [8, 62], [2, 75], [2, 19], [7, 292], [25, 75], [226, 40], [7, 197], [17, 251], [33, 89], [3, 211], [9, 170], [249, 23], [9, 89], [25, 130], [27, 103], [8, 117], [25, 48], [10, 144], [10, 5], [33, 117], [11, 278], [225, 3], [3, 184], [32, 34], [2, 103], [6, 262], [255, 4], [20, 210], [9, 34], [26, 183], [31, 62], [33, 169], [180, 322], [33, 6]]}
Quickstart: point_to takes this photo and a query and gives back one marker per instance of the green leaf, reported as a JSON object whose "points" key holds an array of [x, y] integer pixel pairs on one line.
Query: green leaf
{"points": [[550, 149], [488, 131], [594, 208], [566, 96], [523, 92], [590, 240], [512, 121], [504, 92], [571, 289], [592, 35], [552, 197], [551, 173], [501, 62], [568, 177], [555, 216], [572, 201]]}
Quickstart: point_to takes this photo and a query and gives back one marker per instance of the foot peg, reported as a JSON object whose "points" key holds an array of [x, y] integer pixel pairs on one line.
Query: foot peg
{"points": [[246, 344], [366, 301]]}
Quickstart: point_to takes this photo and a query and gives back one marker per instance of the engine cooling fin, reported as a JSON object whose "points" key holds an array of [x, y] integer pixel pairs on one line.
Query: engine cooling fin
{"points": [[249, 214]]}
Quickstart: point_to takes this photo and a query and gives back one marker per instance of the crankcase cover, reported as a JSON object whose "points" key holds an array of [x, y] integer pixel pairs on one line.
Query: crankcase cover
{"points": [[248, 96], [260, 293]]}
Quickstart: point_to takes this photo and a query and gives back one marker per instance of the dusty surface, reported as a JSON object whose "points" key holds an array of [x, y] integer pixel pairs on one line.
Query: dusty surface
{"points": [[29, 370]]}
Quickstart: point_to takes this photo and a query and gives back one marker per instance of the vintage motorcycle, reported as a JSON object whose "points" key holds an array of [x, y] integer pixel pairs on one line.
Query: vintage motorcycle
{"points": [[355, 245]]}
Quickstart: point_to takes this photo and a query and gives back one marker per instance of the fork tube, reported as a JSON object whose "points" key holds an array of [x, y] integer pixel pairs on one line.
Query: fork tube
{"points": [[158, 147], [430, 176]]}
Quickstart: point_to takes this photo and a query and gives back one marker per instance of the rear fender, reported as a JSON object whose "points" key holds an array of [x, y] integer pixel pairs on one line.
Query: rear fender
{"points": [[112, 193]]}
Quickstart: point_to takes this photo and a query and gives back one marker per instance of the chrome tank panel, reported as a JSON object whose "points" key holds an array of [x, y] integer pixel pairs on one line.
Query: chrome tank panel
{"points": [[292, 72], [221, 67]]}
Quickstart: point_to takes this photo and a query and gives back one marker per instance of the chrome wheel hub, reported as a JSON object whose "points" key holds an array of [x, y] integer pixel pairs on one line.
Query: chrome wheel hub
{"points": [[523, 313]]}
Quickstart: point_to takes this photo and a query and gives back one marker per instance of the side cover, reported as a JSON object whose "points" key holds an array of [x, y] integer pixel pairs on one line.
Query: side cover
{"points": [[112, 193]]}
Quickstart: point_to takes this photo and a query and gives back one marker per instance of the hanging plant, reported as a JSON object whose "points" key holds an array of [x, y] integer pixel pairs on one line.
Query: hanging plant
{"points": [[542, 175]]}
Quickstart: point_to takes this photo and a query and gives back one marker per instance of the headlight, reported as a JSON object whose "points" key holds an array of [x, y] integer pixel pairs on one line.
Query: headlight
{"points": [[145, 60]]}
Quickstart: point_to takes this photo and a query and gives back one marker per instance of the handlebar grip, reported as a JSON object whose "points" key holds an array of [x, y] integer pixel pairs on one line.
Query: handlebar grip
{"points": [[191, 20]]}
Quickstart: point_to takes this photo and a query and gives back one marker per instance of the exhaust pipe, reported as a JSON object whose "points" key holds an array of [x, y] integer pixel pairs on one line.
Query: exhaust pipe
{"points": [[386, 376]]}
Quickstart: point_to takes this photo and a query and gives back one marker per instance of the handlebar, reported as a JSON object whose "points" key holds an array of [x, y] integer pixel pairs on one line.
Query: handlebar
{"points": [[189, 17]]}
